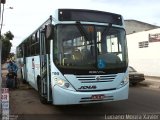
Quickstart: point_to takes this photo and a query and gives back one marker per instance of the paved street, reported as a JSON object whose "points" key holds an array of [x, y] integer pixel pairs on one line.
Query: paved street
{"points": [[152, 82], [141, 101]]}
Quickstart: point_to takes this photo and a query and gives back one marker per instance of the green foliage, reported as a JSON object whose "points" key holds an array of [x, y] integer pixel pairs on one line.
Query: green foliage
{"points": [[6, 44], [8, 35]]}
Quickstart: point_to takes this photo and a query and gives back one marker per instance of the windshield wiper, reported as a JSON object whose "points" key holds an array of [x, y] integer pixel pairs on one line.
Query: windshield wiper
{"points": [[82, 31], [106, 30]]}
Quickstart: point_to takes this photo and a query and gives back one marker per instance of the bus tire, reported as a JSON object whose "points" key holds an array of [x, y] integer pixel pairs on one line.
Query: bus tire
{"points": [[22, 78], [42, 99]]}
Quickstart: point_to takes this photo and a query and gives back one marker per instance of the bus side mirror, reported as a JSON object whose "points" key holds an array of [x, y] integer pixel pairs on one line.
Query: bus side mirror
{"points": [[49, 31]]}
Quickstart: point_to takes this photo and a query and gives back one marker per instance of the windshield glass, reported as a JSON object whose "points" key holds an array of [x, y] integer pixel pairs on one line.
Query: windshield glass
{"points": [[79, 46]]}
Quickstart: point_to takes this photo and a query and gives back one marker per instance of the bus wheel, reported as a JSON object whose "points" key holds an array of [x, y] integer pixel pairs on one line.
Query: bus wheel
{"points": [[22, 78], [42, 99]]}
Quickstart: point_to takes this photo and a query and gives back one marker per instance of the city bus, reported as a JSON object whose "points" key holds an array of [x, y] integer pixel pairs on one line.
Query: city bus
{"points": [[77, 56]]}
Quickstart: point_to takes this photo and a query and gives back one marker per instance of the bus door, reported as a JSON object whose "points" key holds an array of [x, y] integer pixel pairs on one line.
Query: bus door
{"points": [[45, 68], [24, 68]]}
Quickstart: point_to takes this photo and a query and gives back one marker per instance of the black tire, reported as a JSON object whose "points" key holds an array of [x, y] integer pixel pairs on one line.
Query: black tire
{"points": [[22, 78], [10, 83], [17, 85], [42, 99], [133, 84]]}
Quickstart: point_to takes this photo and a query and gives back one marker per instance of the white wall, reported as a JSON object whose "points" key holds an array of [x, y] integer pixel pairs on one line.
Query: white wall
{"points": [[145, 60]]}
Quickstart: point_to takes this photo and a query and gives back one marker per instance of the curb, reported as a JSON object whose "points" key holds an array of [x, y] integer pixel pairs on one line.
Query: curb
{"points": [[154, 86]]}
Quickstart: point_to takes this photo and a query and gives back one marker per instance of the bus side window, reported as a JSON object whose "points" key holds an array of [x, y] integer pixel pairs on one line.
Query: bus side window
{"points": [[19, 52], [27, 49], [38, 44]]}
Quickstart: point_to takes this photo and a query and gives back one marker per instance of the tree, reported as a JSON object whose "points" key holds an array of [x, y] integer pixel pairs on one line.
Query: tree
{"points": [[8, 35], [6, 44]]}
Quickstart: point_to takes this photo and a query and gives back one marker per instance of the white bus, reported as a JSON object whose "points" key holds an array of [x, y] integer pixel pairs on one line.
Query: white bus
{"points": [[77, 56]]}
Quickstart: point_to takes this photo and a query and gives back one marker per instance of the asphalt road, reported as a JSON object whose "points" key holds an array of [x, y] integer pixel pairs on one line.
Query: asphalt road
{"points": [[142, 102]]}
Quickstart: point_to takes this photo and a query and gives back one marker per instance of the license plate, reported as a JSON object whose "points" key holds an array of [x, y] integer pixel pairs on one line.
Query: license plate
{"points": [[97, 97]]}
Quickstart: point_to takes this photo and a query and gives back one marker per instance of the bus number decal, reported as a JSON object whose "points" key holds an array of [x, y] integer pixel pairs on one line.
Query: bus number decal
{"points": [[55, 73]]}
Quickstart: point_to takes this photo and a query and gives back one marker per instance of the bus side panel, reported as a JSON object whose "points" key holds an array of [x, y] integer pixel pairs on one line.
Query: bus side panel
{"points": [[36, 63], [33, 70], [29, 71]]}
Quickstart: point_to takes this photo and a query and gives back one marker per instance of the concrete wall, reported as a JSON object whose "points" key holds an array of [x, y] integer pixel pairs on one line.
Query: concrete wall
{"points": [[147, 59]]}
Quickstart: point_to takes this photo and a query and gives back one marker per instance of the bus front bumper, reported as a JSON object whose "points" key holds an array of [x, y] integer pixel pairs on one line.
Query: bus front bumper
{"points": [[63, 96]]}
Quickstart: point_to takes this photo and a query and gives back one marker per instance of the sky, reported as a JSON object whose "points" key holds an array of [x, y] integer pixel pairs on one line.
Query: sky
{"points": [[27, 15]]}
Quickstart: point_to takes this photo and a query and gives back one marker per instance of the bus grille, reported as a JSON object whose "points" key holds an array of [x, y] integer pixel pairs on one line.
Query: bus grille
{"points": [[96, 78]]}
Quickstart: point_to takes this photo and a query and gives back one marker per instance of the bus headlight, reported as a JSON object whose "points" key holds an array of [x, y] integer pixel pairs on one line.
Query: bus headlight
{"points": [[60, 82], [63, 83], [124, 82]]}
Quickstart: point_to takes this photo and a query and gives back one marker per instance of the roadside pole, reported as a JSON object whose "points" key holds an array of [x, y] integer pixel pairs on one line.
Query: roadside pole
{"points": [[1, 2], [0, 65], [0, 76]]}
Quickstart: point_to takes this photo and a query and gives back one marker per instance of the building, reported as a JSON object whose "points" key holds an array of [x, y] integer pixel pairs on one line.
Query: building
{"points": [[143, 51]]}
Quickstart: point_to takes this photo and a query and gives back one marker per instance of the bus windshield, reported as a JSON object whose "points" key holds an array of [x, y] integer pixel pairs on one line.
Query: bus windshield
{"points": [[89, 47]]}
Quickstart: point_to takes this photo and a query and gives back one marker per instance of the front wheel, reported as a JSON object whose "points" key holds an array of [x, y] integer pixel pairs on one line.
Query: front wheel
{"points": [[133, 84]]}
